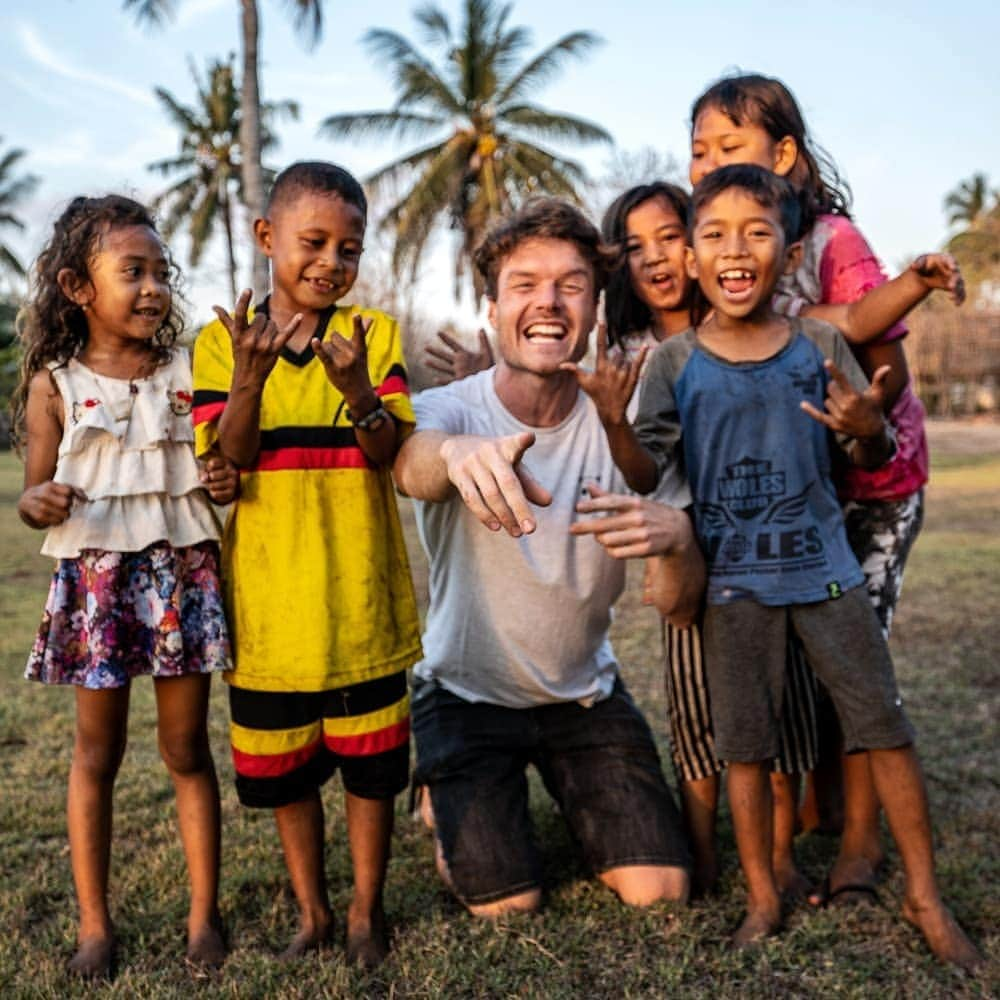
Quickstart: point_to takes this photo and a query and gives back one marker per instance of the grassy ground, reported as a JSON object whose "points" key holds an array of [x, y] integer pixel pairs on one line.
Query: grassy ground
{"points": [[584, 944]]}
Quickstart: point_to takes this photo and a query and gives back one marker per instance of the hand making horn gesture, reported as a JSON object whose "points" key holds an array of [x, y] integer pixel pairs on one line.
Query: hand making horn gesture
{"points": [[257, 343], [611, 384], [856, 414], [346, 361]]}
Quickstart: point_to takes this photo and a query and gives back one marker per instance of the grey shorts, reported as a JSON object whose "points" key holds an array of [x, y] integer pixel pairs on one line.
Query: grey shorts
{"points": [[745, 647]]}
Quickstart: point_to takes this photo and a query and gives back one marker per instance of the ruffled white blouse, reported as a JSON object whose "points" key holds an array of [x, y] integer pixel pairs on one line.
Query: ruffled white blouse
{"points": [[128, 447]]}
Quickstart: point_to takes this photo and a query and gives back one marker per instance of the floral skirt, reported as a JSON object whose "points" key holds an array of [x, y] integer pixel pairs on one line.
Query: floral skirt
{"points": [[112, 616]]}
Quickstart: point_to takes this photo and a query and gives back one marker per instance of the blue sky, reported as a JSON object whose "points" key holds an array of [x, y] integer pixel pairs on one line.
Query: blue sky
{"points": [[903, 96]]}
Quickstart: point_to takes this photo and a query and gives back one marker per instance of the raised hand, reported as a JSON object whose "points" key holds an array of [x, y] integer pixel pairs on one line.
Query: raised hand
{"points": [[856, 414], [47, 504], [220, 478], [256, 344], [346, 362], [490, 479], [941, 271], [453, 361], [612, 382]]}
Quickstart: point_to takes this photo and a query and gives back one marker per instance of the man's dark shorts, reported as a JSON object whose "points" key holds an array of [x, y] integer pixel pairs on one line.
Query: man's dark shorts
{"points": [[599, 763]]}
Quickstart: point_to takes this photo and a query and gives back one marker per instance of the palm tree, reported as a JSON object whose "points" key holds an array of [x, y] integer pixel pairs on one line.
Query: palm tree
{"points": [[308, 21], [210, 160], [474, 106], [12, 191], [968, 201]]}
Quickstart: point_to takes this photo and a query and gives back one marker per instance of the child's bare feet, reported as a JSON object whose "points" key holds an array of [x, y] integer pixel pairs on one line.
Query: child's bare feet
{"points": [[94, 958], [943, 935], [313, 935], [760, 922], [367, 942], [792, 884], [207, 947]]}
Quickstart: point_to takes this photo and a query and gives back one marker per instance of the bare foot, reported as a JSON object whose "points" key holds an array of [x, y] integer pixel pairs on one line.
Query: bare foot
{"points": [[207, 948], [943, 935], [367, 942], [94, 958], [792, 884], [757, 925], [311, 937]]}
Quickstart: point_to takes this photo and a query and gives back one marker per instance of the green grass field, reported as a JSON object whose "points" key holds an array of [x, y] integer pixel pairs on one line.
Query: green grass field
{"points": [[584, 943]]}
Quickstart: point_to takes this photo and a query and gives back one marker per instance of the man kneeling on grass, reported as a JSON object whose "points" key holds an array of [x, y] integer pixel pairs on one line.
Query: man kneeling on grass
{"points": [[518, 667]]}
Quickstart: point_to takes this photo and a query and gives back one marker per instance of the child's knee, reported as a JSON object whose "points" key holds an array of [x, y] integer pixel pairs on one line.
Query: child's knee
{"points": [[99, 760], [186, 755]]}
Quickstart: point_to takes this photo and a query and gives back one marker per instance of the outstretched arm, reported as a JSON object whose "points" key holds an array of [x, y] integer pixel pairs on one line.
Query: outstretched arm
{"points": [[630, 527], [486, 472], [885, 305], [611, 385]]}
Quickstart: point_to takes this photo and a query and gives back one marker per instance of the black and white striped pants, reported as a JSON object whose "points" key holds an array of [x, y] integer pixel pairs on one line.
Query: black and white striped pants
{"points": [[691, 742]]}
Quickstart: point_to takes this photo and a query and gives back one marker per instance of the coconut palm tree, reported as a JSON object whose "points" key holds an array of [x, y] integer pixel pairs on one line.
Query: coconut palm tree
{"points": [[209, 160], [308, 21], [12, 191], [475, 107], [968, 201]]}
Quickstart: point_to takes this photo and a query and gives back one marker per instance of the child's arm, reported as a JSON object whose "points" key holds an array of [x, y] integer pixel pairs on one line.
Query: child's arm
{"points": [[453, 361], [346, 365], [885, 305], [610, 385], [44, 503], [858, 416], [256, 348]]}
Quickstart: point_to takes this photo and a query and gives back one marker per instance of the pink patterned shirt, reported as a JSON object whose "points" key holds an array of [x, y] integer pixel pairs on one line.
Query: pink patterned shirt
{"points": [[838, 266]]}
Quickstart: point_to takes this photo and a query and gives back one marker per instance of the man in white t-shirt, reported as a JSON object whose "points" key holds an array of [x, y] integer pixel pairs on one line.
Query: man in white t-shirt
{"points": [[526, 526]]}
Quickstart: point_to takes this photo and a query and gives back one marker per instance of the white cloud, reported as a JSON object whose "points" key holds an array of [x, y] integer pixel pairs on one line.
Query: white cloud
{"points": [[56, 63]]}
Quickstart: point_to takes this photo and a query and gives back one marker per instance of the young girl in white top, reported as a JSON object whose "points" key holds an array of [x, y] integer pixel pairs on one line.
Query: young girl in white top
{"points": [[103, 411]]}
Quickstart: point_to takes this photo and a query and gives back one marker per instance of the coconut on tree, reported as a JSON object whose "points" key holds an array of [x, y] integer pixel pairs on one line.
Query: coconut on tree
{"points": [[209, 161], [473, 105]]}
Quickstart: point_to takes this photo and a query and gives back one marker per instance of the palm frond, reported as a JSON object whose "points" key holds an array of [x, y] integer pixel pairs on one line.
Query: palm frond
{"points": [[307, 19], [415, 79], [9, 262], [150, 13], [547, 64], [171, 165], [435, 24], [361, 124], [536, 120]]}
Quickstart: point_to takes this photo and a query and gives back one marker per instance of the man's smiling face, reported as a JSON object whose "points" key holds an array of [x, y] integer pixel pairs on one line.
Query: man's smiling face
{"points": [[545, 305]]}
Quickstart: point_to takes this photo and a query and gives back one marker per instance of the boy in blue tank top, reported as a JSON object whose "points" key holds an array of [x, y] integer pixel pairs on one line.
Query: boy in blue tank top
{"points": [[748, 403]]}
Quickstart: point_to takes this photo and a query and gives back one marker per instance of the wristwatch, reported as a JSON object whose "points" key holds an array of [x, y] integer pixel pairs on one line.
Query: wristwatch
{"points": [[370, 421]]}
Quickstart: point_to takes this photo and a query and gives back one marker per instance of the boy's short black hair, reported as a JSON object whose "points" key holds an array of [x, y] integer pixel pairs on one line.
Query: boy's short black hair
{"points": [[317, 177], [547, 219], [764, 186]]}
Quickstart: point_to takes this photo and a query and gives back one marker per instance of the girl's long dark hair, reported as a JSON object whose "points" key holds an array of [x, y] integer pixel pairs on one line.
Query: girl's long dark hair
{"points": [[768, 103], [54, 328], [624, 311]]}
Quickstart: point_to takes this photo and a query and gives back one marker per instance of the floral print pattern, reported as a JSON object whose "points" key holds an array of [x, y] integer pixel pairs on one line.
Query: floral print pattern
{"points": [[112, 616]]}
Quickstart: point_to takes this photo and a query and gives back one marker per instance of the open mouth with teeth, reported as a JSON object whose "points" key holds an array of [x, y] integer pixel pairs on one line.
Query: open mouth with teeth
{"points": [[322, 285], [737, 281], [149, 312], [545, 333]]}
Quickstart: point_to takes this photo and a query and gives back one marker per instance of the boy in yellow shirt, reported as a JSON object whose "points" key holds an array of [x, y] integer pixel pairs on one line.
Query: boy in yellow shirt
{"points": [[309, 398]]}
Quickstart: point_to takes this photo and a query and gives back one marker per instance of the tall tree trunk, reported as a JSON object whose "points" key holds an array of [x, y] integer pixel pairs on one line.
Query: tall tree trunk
{"points": [[227, 224], [253, 182]]}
